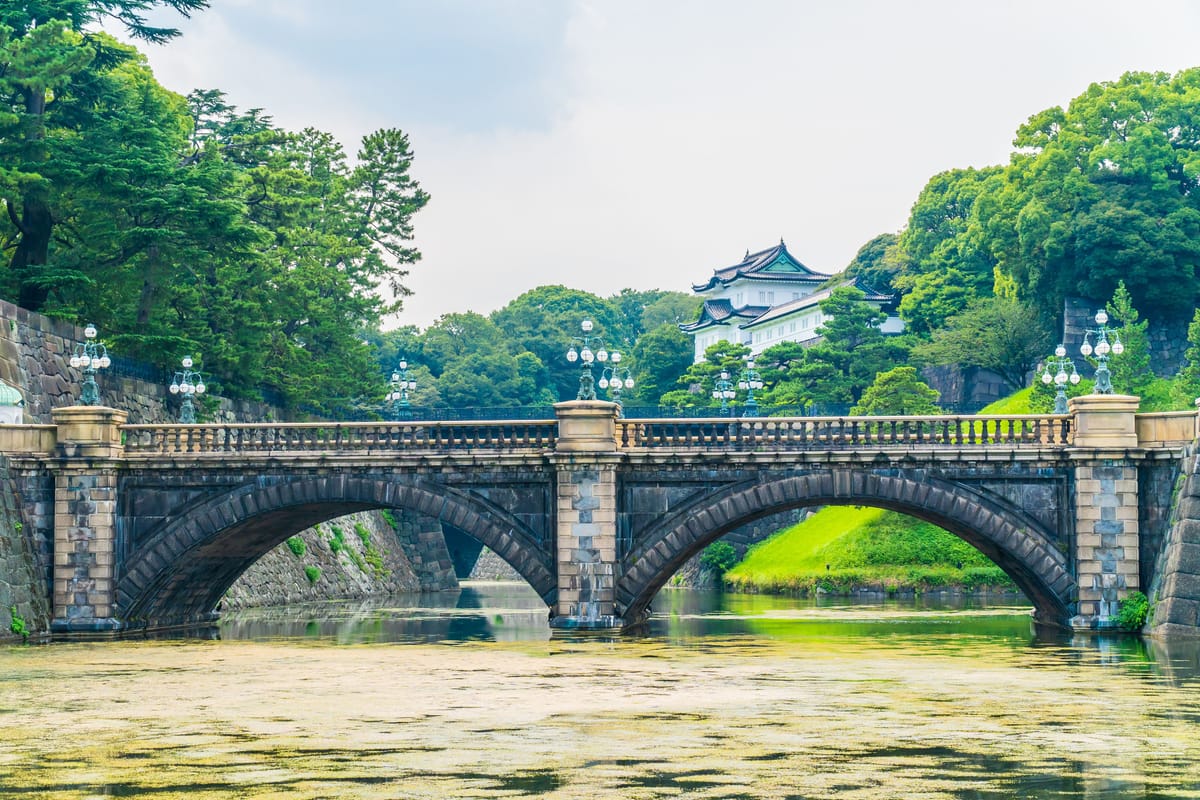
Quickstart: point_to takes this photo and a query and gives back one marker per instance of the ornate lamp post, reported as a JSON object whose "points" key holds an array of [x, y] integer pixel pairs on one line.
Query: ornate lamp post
{"points": [[187, 382], [723, 391], [615, 378], [581, 350], [1102, 349], [1056, 373], [748, 382], [91, 356], [401, 384]]}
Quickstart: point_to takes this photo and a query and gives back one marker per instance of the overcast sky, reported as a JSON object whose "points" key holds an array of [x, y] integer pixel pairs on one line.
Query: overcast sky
{"points": [[604, 144]]}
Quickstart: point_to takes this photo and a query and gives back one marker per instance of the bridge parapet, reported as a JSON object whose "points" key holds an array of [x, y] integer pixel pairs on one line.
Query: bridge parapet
{"points": [[30, 439], [316, 437], [1166, 429], [825, 433]]}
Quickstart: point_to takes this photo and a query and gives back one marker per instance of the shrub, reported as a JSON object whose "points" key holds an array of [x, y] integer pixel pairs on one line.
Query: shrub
{"points": [[1133, 611], [718, 557], [296, 545], [363, 534], [337, 539], [18, 625], [313, 573], [389, 518]]}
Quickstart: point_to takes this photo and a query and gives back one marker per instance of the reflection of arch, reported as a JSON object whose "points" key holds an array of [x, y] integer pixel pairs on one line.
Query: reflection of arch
{"points": [[1017, 543], [186, 566]]}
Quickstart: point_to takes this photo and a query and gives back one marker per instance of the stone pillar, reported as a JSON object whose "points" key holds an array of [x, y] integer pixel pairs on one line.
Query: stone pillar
{"points": [[1106, 506], [85, 506], [586, 516]]}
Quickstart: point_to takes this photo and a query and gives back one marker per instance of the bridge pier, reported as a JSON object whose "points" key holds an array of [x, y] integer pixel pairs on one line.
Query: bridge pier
{"points": [[1106, 507], [586, 461], [85, 504]]}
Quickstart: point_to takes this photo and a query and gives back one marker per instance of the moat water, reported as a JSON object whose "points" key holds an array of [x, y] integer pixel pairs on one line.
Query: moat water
{"points": [[466, 695]]}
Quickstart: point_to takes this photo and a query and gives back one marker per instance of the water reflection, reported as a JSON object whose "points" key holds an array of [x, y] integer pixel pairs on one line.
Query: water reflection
{"points": [[477, 612], [467, 695]]}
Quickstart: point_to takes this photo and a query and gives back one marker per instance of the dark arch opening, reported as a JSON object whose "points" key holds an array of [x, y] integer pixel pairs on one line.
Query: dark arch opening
{"points": [[1013, 540], [180, 574]]}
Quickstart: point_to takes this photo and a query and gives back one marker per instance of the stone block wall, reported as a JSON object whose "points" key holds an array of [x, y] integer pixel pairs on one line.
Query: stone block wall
{"points": [[1175, 594], [21, 578], [351, 567], [84, 548], [1107, 545], [1167, 338], [587, 505], [491, 567]]}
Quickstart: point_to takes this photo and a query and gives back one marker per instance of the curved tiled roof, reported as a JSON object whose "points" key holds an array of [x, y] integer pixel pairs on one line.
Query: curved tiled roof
{"points": [[755, 265], [10, 396], [717, 312]]}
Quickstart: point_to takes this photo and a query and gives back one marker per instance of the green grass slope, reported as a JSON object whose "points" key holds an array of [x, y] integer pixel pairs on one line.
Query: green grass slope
{"points": [[840, 548]]}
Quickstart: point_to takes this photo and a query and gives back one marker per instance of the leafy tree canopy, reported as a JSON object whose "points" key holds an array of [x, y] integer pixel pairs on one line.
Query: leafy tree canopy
{"points": [[994, 333], [1105, 191], [898, 392]]}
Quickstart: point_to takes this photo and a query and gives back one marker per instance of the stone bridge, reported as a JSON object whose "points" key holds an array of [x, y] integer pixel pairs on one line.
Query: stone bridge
{"points": [[150, 524]]}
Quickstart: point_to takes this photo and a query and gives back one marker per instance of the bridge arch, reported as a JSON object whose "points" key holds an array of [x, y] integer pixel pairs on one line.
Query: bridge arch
{"points": [[180, 574], [1015, 541]]}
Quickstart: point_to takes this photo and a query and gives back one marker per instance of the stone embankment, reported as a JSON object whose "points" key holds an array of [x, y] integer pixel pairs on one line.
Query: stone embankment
{"points": [[367, 554], [1175, 595]]}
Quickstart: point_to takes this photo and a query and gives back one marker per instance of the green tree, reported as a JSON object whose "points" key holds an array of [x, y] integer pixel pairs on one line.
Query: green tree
{"points": [[898, 392], [1104, 191], [660, 356], [942, 231], [1186, 389], [699, 380], [545, 320], [934, 298], [1131, 373], [718, 558], [876, 263], [836, 369], [994, 333], [671, 307], [49, 64]]}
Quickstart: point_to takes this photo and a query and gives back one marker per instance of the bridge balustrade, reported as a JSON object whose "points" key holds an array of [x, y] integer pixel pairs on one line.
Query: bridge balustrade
{"points": [[259, 438], [846, 432]]}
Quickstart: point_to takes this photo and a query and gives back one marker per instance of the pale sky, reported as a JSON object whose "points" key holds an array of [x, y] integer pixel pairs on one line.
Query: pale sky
{"points": [[605, 144]]}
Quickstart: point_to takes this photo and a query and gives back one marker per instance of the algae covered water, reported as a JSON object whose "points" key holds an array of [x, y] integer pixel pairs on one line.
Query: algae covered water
{"points": [[724, 697]]}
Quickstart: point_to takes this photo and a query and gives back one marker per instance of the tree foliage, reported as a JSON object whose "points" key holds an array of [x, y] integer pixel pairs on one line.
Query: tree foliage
{"points": [[1104, 191], [994, 333], [181, 225], [838, 367], [1186, 390], [1130, 371], [898, 392]]}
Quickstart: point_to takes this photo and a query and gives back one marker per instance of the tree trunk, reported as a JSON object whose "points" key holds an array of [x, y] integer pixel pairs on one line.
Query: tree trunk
{"points": [[36, 223], [33, 250]]}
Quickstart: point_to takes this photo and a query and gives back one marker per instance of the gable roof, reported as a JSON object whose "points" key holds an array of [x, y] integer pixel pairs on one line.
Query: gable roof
{"points": [[721, 312], [774, 263]]}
